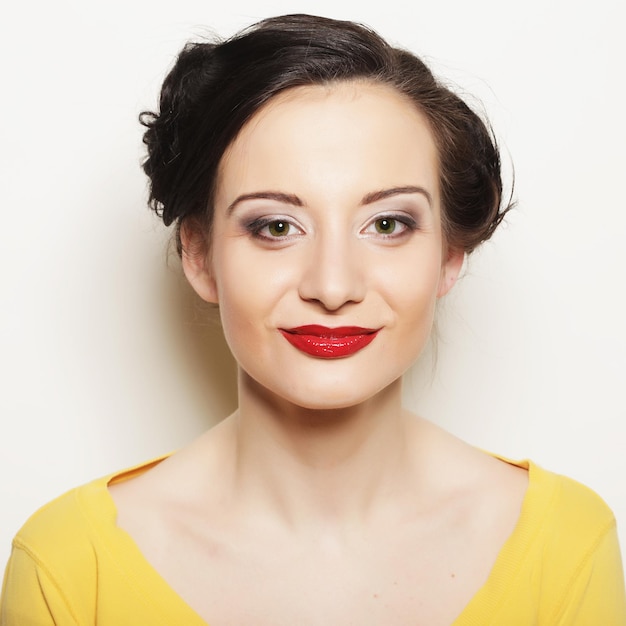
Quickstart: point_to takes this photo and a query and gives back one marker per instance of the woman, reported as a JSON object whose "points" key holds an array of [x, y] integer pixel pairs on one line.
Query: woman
{"points": [[325, 190]]}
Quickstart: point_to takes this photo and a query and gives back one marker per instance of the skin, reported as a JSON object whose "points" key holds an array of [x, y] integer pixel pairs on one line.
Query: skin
{"points": [[303, 505]]}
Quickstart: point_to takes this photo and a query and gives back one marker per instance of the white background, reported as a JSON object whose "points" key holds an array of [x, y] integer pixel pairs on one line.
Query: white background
{"points": [[105, 360]]}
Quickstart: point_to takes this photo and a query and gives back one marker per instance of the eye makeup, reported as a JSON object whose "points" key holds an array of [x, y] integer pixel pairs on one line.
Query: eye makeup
{"points": [[272, 228], [390, 225]]}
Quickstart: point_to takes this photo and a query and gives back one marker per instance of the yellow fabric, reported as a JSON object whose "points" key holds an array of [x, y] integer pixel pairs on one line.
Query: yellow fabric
{"points": [[71, 565]]}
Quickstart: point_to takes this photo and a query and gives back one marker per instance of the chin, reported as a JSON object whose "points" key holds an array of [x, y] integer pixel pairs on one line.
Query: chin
{"points": [[322, 385], [326, 403], [329, 396]]}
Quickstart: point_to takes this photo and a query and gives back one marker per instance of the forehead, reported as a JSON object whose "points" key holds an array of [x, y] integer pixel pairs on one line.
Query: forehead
{"points": [[353, 134]]}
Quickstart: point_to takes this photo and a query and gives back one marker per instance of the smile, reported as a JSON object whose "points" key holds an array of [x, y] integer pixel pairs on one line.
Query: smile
{"points": [[329, 343]]}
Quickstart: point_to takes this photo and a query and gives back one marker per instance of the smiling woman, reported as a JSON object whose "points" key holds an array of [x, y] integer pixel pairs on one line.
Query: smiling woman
{"points": [[325, 190], [302, 196]]}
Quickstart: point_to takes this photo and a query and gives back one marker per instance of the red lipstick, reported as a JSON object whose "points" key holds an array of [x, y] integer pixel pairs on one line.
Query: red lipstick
{"points": [[329, 343]]}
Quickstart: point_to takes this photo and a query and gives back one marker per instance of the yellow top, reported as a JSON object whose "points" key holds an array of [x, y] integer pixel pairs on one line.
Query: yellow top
{"points": [[71, 565]]}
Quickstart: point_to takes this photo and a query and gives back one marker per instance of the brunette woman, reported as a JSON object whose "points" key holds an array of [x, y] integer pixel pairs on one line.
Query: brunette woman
{"points": [[325, 189]]}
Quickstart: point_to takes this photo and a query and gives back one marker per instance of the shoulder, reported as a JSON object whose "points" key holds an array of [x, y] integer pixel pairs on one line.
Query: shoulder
{"points": [[50, 576], [61, 528], [64, 535], [575, 528], [573, 550], [561, 564], [565, 507], [70, 562], [562, 522]]}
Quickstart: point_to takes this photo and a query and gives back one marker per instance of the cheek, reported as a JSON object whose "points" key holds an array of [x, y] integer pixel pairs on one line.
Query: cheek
{"points": [[249, 279], [249, 285], [412, 281], [411, 294]]}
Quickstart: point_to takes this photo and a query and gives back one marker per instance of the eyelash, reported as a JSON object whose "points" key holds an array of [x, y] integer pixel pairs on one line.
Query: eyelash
{"points": [[408, 223], [257, 226]]}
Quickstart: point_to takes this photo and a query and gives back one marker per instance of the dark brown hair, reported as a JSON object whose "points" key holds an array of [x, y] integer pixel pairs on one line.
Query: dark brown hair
{"points": [[215, 88]]}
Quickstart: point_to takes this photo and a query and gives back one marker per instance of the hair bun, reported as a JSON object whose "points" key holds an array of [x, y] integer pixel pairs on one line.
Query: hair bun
{"points": [[184, 90]]}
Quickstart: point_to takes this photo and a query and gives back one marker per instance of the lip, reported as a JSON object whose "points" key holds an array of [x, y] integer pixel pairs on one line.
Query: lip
{"points": [[329, 343]]}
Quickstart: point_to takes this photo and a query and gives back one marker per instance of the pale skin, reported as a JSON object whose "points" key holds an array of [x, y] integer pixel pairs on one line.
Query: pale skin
{"points": [[321, 501]]}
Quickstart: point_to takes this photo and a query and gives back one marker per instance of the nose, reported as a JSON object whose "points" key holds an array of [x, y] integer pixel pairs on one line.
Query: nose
{"points": [[334, 273]]}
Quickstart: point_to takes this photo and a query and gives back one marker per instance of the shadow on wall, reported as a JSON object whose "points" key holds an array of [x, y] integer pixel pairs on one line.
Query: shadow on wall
{"points": [[196, 330]]}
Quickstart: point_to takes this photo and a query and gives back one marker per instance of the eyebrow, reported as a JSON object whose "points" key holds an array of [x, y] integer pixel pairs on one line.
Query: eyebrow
{"points": [[375, 196], [285, 198], [293, 200]]}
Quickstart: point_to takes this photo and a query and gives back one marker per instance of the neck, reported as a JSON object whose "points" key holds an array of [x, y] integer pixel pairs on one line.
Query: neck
{"points": [[320, 464]]}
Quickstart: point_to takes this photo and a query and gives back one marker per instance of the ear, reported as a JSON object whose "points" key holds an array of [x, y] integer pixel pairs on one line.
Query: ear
{"points": [[450, 271], [196, 262]]}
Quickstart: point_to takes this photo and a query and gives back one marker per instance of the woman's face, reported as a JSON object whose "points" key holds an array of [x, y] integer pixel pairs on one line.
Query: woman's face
{"points": [[327, 254]]}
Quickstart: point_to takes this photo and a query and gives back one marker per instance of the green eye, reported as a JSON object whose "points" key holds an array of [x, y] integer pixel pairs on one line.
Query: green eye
{"points": [[385, 225], [278, 228]]}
